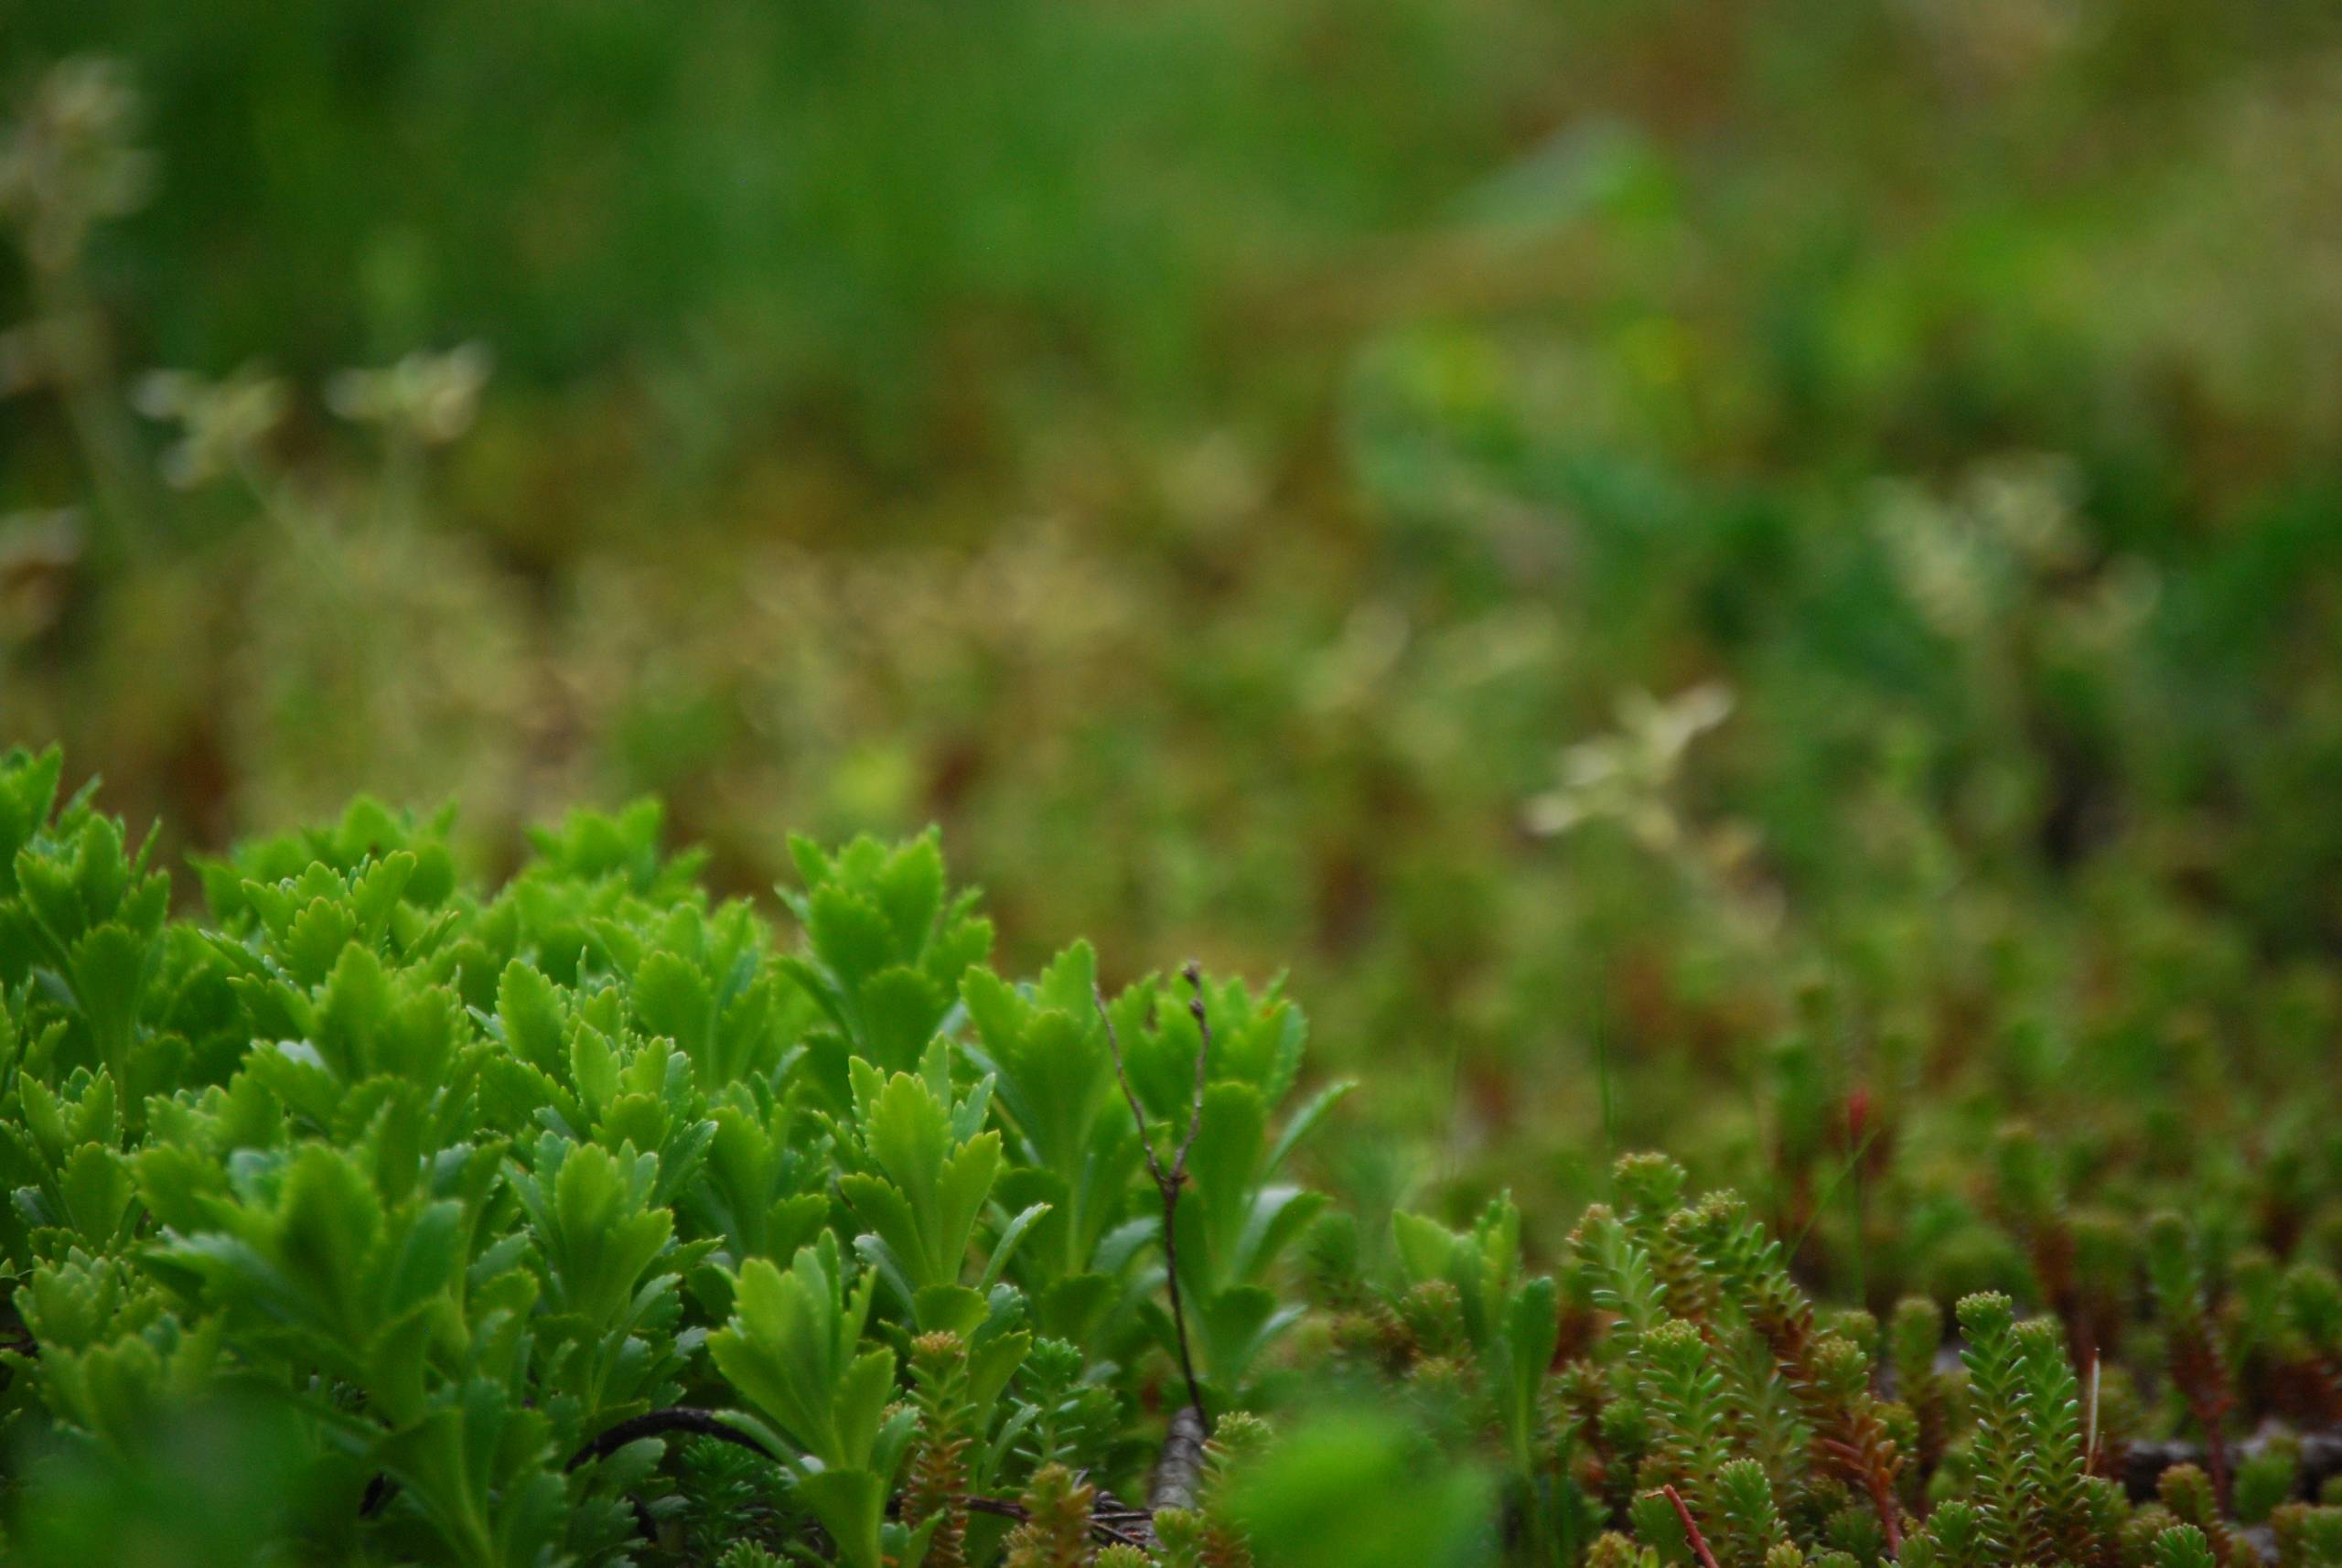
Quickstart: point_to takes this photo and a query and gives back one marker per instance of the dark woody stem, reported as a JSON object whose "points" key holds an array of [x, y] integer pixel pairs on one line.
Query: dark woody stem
{"points": [[1168, 1182]]}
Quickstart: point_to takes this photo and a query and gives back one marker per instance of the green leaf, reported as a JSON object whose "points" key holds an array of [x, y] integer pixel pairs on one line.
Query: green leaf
{"points": [[672, 999], [851, 935], [355, 1013], [429, 1259], [328, 1219], [1533, 1329], [98, 1191], [1426, 1248], [851, 1506], [927, 1207], [109, 971], [900, 1010], [1006, 1247], [789, 1349], [1303, 1122], [910, 891], [601, 1230], [992, 1362], [951, 1308], [860, 1400], [314, 940], [530, 1009]]}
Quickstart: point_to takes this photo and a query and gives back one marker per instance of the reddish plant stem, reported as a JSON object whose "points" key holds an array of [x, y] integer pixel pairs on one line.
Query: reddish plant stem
{"points": [[1691, 1529], [2211, 1414]]}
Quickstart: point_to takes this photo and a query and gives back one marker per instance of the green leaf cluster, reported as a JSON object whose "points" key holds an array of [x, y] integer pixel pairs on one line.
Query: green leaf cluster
{"points": [[496, 1203]]}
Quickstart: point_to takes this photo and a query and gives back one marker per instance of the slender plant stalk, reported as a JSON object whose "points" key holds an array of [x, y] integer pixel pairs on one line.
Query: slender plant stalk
{"points": [[1168, 1182], [124, 514], [1691, 1529]]}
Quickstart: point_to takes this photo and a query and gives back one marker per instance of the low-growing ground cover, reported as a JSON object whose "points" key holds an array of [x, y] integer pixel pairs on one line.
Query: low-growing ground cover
{"points": [[1757, 579], [372, 1217]]}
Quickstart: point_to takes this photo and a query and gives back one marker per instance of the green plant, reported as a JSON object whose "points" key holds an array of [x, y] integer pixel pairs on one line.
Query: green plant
{"points": [[493, 1199]]}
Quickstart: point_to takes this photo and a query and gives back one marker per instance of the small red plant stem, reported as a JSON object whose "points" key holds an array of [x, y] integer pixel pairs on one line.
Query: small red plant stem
{"points": [[2210, 1413], [1881, 1498], [2203, 1382], [1691, 1529]]}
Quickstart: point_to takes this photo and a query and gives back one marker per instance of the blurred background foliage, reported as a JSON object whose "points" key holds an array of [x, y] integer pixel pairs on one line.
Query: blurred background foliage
{"points": [[1687, 565]]}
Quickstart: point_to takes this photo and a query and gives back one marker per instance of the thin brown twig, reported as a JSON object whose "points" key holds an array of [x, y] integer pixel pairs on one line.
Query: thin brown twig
{"points": [[1168, 1182]]}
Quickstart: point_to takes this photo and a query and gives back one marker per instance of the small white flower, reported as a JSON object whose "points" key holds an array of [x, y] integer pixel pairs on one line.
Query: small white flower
{"points": [[67, 163], [222, 424], [431, 398], [1629, 775]]}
